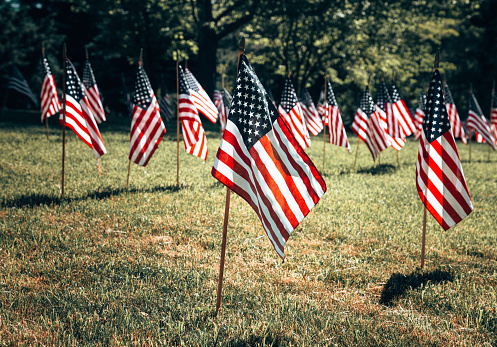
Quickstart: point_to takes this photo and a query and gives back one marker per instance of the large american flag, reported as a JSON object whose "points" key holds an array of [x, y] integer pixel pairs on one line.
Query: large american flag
{"points": [[420, 113], [476, 121], [165, 103], [336, 130], [260, 160], [18, 83], [311, 115], [92, 93], [79, 116], [455, 122], [290, 110], [50, 103], [360, 124], [147, 127], [202, 101], [403, 116], [439, 176], [193, 132]]}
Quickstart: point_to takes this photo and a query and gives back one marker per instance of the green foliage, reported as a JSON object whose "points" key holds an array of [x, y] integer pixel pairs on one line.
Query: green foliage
{"points": [[106, 265]]}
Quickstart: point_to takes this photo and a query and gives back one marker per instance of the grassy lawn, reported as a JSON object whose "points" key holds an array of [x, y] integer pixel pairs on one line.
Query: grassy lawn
{"points": [[106, 265]]}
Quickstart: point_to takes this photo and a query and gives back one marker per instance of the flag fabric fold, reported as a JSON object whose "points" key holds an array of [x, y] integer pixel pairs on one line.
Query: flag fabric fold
{"points": [[477, 122], [191, 125], [439, 176], [147, 128], [455, 122], [18, 83], [93, 93], [336, 131], [79, 116], [202, 101], [50, 103], [420, 113], [311, 115], [290, 110], [260, 160]]}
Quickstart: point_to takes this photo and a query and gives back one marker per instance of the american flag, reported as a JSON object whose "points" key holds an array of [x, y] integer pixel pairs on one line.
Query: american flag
{"points": [[271, 97], [493, 114], [336, 130], [420, 113], [223, 113], [402, 115], [360, 124], [79, 116], [92, 93], [439, 176], [20, 85], [292, 113], [455, 122], [383, 100], [311, 115], [476, 121], [50, 103], [260, 160], [147, 127], [202, 101], [322, 109], [164, 103], [219, 102], [193, 132]]}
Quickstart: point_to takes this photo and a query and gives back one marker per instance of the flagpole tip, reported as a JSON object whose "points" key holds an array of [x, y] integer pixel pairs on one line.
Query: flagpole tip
{"points": [[43, 49], [140, 61], [241, 46], [437, 59], [86, 52]]}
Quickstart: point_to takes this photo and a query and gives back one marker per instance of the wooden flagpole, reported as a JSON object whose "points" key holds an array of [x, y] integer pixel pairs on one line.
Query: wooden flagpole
{"points": [[43, 56], [64, 57], [490, 114], [140, 64], [177, 119], [241, 49], [325, 116], [469, 131], [423, 238]]}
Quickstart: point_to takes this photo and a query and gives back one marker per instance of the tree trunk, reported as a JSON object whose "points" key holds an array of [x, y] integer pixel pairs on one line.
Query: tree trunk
{"points": [[206, 59]]}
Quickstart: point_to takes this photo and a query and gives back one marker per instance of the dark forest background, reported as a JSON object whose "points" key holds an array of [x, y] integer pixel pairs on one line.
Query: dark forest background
{"points": [[348, 40]]}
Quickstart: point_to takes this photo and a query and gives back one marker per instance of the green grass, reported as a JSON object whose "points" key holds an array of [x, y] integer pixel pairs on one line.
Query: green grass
{"points": [[109, 266]]}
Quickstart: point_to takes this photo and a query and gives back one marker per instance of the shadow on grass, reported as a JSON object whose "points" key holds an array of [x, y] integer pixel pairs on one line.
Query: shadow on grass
{"points": [[398, 284], [379, 169], [35, 199], [254, 340]]}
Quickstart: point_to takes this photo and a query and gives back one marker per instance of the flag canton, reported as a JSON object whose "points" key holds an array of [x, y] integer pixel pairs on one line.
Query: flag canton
{"points": [[395, 94], [191, 81], [251, 109], [448, 95], [88, 77], [305, 98], [367, 104], [226, 98], [474, 106], [143, 90], [436, 121], [73, 83], [288, 98], [183, 83], [422, 101], [332, 101], [46, 67], [383, 96]]}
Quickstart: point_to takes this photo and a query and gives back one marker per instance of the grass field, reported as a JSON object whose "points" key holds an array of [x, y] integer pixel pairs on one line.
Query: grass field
{"points": [[109, 266]]}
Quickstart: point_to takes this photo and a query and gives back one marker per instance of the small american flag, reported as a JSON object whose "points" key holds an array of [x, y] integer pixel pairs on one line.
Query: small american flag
{"points": [[93, 94], [18, 83], [321, 108], [260, 160], [164, 103], [193, 132], [50, 103], [455, 122], [420, 113], [200, 98], [311, 115], [147, 128], [493, 115], [476, 121], [336, 130], [383, 99], [79, 116], [439, 176], [402, 115], [223, 113], [292, 113], [365, 109]]}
